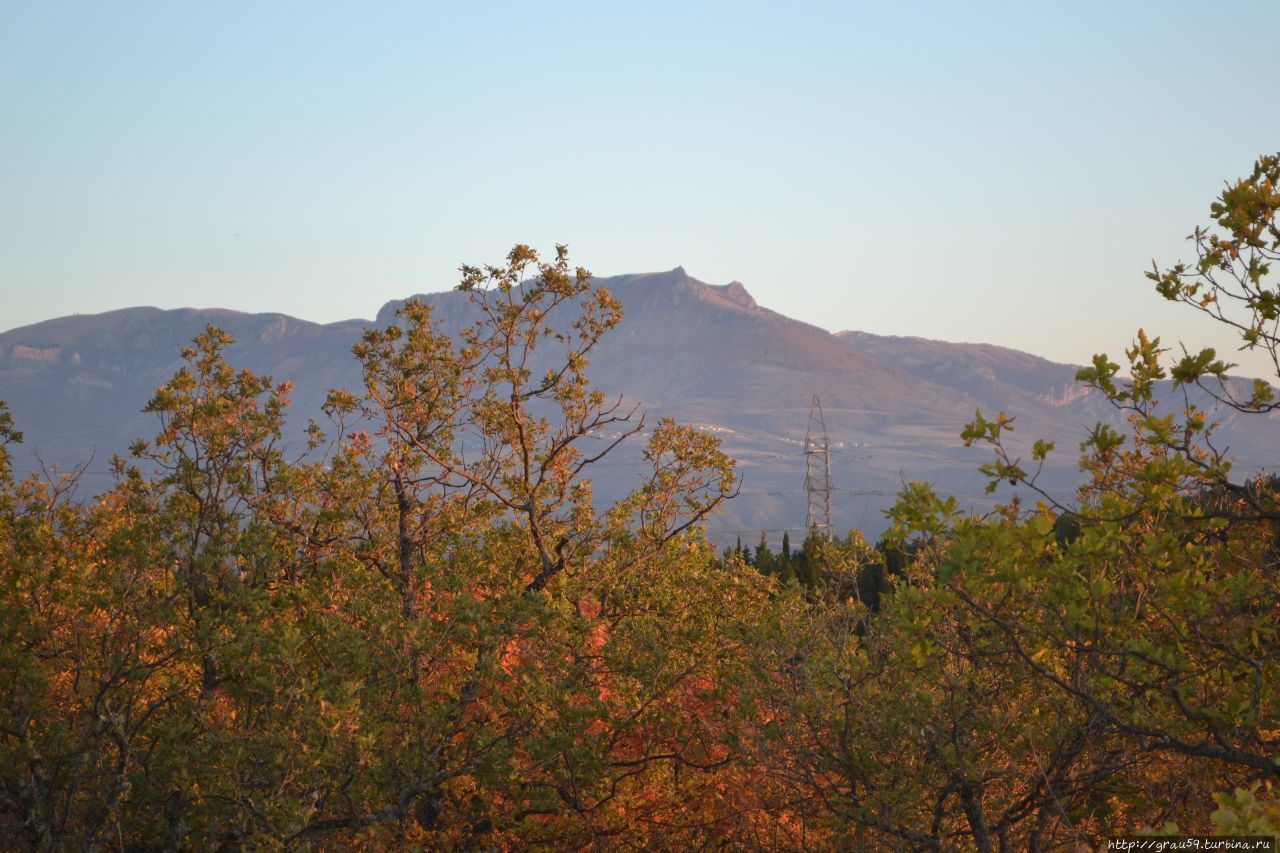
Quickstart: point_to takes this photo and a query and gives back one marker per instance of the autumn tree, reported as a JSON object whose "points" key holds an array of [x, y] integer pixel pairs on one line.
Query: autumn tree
{"points": [[1158, 614], [1230, 282], [423, 631], [1052, 673], [494, 610]]}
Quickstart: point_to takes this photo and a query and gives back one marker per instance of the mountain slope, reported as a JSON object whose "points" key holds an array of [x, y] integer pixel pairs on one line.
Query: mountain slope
{"points": [[704, 354]]}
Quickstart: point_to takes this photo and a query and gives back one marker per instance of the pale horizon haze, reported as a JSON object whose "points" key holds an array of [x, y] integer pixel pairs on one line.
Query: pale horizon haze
{"points": [[993, 172]]}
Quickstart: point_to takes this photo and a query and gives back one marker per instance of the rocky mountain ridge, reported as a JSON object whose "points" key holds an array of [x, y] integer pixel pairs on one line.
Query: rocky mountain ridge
{"points": [[702, 353]]}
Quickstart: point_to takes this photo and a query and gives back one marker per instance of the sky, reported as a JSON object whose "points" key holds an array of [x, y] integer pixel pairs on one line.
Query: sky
{"points": [[976, 171]]}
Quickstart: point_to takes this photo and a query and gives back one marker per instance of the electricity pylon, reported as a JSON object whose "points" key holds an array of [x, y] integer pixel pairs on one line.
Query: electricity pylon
{"points": [[817, 472]]}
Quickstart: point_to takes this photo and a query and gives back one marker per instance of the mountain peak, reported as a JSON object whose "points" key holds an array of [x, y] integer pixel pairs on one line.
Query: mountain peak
{"points": [[676, 285]]}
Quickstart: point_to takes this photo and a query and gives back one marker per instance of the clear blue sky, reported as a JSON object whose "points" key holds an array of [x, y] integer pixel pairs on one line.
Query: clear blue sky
{"points": [[966, 171]]}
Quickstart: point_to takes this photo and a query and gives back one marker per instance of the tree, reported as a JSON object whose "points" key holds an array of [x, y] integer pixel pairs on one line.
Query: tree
{"points": [[1049, 674], [424, 632], [914, 724], [1156, 612], [480, 518], [1229, 282], [8, 435]]}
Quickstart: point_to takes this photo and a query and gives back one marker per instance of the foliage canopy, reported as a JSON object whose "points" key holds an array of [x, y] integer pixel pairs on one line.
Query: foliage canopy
{"points": [[424, 632]]}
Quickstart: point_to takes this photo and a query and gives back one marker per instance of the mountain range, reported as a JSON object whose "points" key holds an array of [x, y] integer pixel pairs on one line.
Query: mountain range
{"points": [[701, 353]]}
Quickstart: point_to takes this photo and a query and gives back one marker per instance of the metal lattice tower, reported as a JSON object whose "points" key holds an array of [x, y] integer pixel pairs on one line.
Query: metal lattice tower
{"points": [[817, 472]]}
